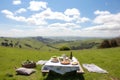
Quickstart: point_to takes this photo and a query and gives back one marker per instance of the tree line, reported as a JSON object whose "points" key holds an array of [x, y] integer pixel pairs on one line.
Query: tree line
{"points": [[108, 43], [8, 43]]}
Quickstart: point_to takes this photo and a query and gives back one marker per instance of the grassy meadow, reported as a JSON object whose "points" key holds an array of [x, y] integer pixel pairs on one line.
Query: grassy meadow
{"points": [[107, 59]]}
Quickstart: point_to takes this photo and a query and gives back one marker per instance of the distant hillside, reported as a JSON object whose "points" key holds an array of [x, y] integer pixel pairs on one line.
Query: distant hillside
{"points": [[44, 40], [45, 43], [79, 44], [73, 38], [37, 43]]}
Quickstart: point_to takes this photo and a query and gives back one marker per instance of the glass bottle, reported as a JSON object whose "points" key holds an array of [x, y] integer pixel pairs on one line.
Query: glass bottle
{"points": [[71, 55]]}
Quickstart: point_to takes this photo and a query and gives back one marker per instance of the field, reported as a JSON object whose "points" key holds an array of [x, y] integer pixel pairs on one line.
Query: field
{"points": [[108, 59]]}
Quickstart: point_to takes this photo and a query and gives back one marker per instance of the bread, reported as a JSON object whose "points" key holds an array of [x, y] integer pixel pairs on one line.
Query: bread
{"points": [[65, 62]]}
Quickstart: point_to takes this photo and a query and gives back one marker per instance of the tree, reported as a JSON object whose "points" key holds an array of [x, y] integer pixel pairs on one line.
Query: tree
{"points": [[20, 46], [64, 48], [11, 44], [113, 43], [105, 44], [4, 44]]}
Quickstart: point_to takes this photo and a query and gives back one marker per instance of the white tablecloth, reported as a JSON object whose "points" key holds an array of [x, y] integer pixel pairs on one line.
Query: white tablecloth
{"points": [[60, 68]]}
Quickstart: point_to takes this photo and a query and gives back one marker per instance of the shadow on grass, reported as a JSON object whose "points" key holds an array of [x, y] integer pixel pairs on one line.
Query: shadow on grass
{"points": [[68, 76]]}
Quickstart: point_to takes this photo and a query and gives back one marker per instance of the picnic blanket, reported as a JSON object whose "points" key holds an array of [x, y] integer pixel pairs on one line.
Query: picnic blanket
{"points": [[94, 68]]}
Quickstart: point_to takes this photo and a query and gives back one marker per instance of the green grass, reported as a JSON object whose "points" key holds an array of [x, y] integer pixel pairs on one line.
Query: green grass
{"points": [[108, 59]]}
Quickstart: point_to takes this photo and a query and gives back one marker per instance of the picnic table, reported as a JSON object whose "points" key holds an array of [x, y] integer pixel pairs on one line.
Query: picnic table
{"points": [[62, 68]]}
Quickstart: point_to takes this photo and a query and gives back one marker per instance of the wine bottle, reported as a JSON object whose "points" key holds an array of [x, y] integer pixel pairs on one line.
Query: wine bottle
{"points": [[71, 55]]}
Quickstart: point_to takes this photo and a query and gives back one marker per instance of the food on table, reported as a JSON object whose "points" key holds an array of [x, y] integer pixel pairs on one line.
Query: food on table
{"points": [[54, 56], [61, 59], [54, 59], [65, 61], [74, 63]]}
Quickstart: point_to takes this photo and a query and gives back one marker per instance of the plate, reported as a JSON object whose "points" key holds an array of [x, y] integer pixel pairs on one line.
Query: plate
{"points": [[65, 62], [74, 63]]}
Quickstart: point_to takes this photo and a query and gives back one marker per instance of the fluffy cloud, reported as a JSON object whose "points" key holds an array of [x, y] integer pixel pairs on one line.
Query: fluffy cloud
{"points": [[72, 12], [37, 5], [21, 10], [44, 16], [74, 15], [101, 12], [48, 14], [7, 12], [106, 22], [107, 18], [82, 20], [11, 15], [36, 21], [51, 15], [16, 2]]}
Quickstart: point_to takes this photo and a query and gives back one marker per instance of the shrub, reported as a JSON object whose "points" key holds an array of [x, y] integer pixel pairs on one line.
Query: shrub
{"points": [[113, 43], [109, 43], [105, 44], [64, 48]]}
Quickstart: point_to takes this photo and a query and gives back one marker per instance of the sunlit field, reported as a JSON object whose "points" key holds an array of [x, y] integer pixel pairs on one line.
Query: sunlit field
{"points": [[107, 59]]}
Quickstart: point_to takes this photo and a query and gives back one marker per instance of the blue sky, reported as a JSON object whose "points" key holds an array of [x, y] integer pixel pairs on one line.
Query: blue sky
{"points": [[90, 18]]}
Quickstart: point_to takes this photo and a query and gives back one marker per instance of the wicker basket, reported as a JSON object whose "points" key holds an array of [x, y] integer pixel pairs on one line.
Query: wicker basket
{"points": [[29, 65]]}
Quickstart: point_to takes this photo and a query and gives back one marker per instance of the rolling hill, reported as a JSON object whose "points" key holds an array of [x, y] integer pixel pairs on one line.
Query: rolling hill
{"points": [[40, 43], [54, 43], [27, 43]]}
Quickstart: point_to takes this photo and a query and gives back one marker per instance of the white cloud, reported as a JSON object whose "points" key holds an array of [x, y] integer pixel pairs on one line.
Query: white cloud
{"points": [[48, 14], [11, 15], [105, 22], [43, 17], [74, 15], [106, 28], [82, 20], [7, 12], [37, 5], [21, 10], [35, 21], [103, 19], [72, 12], [18, 18], [101, 12], [16, 2], [30, 20], [67, 25]]}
